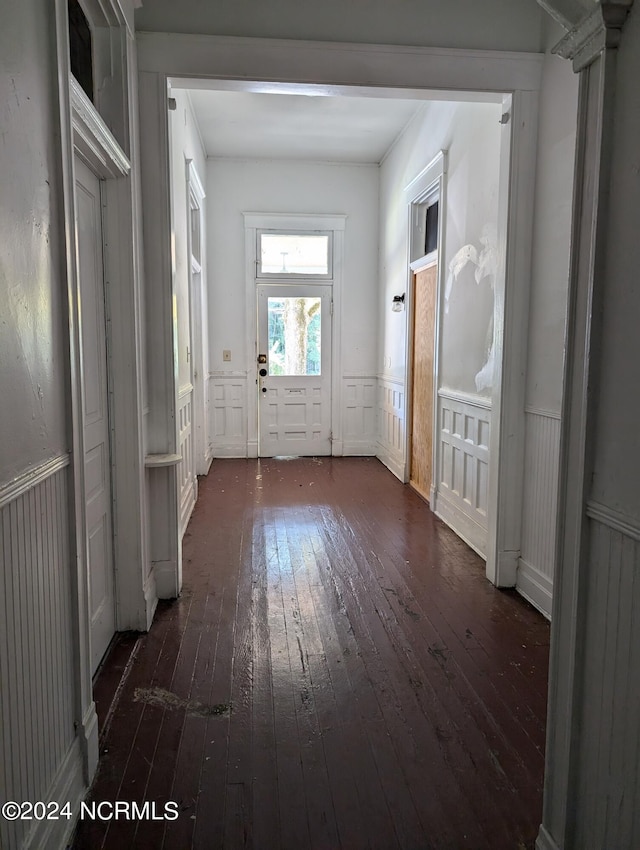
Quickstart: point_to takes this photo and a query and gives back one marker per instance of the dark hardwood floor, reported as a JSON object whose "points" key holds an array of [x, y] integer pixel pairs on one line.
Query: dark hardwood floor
{"points": [[338, 673]]}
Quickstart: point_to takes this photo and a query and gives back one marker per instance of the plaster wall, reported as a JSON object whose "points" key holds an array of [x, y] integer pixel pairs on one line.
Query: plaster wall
{"points": [[490, 25], [33, 351], [471, 134], [185, 144], [237, 186]]}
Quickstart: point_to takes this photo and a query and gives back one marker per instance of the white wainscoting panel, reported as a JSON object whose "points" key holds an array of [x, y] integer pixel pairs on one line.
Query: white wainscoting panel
{"points": [[534, 578], [608, 789], [359, 414], [37, 736], [228, 414], [187, 479], [463, 432], [391, 424]]}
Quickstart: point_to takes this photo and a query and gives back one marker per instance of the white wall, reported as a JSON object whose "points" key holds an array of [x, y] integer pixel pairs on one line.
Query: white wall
{"points": [[470, 132], [237, 186], [33, 353], [492, 24], [185, 144]]}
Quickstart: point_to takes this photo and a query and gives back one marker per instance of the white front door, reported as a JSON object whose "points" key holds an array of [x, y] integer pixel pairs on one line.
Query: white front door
{"points": [[294, 369], [97, 457]]}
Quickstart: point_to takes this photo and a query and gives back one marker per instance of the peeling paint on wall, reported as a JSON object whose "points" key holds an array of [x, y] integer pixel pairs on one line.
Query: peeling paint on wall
{"points": [[485, 261]]}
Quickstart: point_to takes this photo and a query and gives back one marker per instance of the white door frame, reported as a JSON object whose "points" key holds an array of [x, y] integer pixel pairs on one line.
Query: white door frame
{"points": [[430, 181], [255, 64], [295, 221], [108, 150], [198, 320]]}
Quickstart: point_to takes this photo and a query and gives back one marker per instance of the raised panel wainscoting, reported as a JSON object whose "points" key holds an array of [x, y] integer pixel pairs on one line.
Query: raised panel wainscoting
{"points": [[391, 424], [39, 751], [228, 414], [187, 476], [540, 498], [464, 425], [359, 400]]}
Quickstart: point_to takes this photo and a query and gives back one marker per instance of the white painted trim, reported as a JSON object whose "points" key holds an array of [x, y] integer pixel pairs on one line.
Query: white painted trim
{"points": [[31, 477], [424, 262], [424, 183], [254, 63], [545, 842], [431, 182], [540, 411], [535, 586], [359, 376], [511, 324], [294, 221], [465, 398], [359, 448], [394, 463], [67, 786], [615, 520], [184, 391], [254, 221], [154, 460], [93, 140], [391, 379], [473, 534], [221, 373]]}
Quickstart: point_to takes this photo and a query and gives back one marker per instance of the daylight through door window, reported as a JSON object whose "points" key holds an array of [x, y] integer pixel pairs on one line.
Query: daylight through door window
{"points": [[294, 336], [294, 255]]}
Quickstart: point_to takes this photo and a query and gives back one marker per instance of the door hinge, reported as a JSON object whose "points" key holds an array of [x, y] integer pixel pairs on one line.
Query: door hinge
{"points": [[331, 308]]}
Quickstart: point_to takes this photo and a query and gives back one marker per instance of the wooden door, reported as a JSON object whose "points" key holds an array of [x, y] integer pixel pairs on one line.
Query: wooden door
{"points": [[97, 455], [424, 307], [294, 339]]}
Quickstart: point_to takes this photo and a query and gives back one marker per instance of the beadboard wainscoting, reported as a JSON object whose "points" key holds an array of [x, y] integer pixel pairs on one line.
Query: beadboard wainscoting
{"points": [[228, 414], [391, 424], [608, 791], [188, 481], [462, 477], [359, 420], [40, 756], [534, 578]]}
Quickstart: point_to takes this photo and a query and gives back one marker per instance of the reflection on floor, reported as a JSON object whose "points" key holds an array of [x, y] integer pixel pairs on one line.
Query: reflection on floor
{"points": [[338, 673]]}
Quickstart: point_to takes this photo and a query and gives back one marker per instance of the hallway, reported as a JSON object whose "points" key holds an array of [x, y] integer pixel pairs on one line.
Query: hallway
{"points": [[338, 673]]}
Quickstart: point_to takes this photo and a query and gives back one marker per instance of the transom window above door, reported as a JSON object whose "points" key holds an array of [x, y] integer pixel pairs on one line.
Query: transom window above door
{"points": [[300, 255]]}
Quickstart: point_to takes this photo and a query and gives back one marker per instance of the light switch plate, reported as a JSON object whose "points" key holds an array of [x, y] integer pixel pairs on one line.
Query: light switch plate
{"points": [[226, 355]]}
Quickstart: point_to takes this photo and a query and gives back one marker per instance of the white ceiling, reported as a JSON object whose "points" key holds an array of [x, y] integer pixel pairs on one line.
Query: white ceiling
{"points": [[293, 126]]}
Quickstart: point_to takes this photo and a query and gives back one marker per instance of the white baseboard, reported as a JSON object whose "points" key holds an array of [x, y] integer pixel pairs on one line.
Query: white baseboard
{"points": [[393, 462], [466, 528], [68, 785], [536, 587], [150, 598], [359, 448], [166, 578], [544, 841], [231, 450]]}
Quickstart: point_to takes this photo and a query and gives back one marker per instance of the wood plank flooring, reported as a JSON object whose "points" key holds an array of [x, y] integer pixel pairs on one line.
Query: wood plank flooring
{"points": [[338, 674]]}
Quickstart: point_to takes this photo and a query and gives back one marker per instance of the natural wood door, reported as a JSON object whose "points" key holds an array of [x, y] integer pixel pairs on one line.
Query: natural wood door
{"points": [[97, 456], [424, 307]]}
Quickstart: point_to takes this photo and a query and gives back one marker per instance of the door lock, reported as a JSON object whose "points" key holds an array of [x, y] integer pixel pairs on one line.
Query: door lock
{"points": [[262, 358], [264, 389], [263, 373]]}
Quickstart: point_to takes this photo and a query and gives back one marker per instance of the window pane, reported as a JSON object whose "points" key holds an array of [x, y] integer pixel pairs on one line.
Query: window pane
{"points": [[294, 254], [294, 336]]}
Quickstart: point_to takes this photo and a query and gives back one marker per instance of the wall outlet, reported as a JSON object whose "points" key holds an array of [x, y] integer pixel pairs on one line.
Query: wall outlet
{"points": [[226, 355]]}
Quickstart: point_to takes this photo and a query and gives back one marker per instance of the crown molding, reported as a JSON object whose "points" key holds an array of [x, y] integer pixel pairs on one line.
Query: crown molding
{"points": [[599, 31]]}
